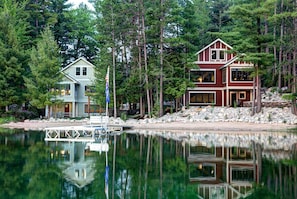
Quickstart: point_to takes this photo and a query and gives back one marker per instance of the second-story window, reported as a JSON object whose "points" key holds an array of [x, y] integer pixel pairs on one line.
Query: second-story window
{"points": [[77, 71], [217, 54], [84, 71], [238, 74]]}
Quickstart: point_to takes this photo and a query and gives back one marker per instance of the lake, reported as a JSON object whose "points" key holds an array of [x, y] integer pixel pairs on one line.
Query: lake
{"points": [[151, 164]]}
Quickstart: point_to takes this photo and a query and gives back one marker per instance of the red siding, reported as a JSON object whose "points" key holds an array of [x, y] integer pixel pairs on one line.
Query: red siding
{"points": [[218, 86], [218, 45], [207, 52]]}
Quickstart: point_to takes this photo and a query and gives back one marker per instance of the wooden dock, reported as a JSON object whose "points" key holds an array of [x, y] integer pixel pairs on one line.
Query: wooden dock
{"points": [[87, 133]]}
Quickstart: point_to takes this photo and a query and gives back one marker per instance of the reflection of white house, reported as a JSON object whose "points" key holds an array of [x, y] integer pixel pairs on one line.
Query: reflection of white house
{"points": [[77, 79], [77, 170]]}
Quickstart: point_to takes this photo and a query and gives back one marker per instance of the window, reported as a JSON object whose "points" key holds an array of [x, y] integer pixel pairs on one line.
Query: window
{"points": [[222, 54], [213, 54], [242, 174], [202, 171], [65, 89], [217, 54], [77, 71], [202, 98], [238, 74], [84, 72], [62, 89], [202, 76], [242, 95]]}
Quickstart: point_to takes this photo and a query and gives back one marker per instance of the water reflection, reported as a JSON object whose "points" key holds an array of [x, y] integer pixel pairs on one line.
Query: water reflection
{"points": [[149, 164]]}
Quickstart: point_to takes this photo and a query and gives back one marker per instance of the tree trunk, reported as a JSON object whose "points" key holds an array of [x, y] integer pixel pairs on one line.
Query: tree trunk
{"points": [[294, 82], [145, 61], [161, 59], [141, 109], [258, 95], [113, 68], [280, 54], [258, 67]]}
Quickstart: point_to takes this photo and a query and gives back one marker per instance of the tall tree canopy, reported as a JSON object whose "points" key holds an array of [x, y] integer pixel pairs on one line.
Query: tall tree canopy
{"points": [[13, 58], [149, 46], [45, 66]]}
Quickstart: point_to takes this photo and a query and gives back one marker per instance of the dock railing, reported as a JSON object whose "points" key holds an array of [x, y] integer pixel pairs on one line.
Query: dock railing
{"points": [[101, 121]]}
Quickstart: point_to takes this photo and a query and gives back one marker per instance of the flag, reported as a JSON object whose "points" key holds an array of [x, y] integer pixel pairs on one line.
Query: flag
{"points": [[107, 86], [106, 181]]}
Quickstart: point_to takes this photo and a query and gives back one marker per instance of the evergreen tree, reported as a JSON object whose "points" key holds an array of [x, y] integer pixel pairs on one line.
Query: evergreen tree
{"points": [[12, 53], [63, 27], [40, 15], [81, 36], [45, 65], [248, 37]]}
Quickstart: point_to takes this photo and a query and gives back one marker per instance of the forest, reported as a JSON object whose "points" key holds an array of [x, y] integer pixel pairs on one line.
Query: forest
{"points": [[149, 46]]}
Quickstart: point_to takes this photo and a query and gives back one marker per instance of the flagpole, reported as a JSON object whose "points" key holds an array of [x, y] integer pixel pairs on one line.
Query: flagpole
{"points": [[106, 176], [107, 91]]}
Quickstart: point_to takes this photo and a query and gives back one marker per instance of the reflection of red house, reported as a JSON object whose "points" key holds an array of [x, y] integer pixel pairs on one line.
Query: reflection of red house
{"points": [[221, 79], [222, 172]]}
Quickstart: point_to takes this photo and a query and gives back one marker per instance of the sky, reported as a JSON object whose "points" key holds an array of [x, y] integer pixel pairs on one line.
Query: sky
{"points": [[77, 2]]}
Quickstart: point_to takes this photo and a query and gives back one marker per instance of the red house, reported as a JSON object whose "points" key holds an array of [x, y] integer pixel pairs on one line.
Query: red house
{"points": [[221, 79]]}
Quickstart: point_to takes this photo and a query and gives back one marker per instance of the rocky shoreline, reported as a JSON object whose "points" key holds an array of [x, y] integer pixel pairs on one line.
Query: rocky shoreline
{"points": [[194, 119]]}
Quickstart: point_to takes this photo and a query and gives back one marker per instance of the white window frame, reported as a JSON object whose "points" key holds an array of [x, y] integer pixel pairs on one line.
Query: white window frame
{"points": [[200, 166], [235, 81], [236, 168], [242, 93], [203, 92], [84, 70], [218, 54], [77, 71], [206, 70]]}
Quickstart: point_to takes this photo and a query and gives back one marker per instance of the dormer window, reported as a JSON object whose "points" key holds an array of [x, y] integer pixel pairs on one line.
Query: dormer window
{"points": [[217, 54], [77, 71]]}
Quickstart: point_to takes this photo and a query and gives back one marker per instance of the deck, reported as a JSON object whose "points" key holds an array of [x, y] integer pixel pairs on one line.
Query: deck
{"points": [[86, 133]]}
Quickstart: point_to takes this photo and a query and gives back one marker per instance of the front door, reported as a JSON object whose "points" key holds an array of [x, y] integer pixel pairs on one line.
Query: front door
{"points": [[233, 99], [66, 110]]}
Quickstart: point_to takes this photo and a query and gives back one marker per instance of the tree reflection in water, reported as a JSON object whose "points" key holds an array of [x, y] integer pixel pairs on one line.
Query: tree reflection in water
{"points": [[143, 165]]}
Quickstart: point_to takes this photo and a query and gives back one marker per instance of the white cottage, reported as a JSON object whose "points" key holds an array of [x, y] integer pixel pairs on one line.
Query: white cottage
{"points": [[77, 79]]}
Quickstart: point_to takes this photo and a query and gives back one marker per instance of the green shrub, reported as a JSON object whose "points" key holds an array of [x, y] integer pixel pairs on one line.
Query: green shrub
{"points": [[123, 116]]}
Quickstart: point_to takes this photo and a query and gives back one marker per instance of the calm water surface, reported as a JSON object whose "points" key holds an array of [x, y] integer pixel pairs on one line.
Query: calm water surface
{"points": [[151, 165]]}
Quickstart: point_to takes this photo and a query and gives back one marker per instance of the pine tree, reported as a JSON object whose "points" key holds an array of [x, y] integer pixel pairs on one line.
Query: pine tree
{"points": [[44, 65], [248, 37], [12, 53]]}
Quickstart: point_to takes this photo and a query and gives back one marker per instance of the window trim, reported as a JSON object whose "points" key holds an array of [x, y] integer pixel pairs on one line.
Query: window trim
{"points": [[236, 168], [84, 71], [205, 70], [202, 92], [200, 165], [238, 81], [218, 53], [77, 71], [244, 95]]}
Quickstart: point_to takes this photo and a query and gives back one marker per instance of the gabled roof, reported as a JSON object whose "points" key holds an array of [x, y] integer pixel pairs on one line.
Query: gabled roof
{"points": [[79, 59], [229, 62], [70, 78], [215, 41]]}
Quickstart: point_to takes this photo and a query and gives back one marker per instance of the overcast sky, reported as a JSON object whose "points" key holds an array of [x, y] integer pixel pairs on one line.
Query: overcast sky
{"points": [[77, 2]]}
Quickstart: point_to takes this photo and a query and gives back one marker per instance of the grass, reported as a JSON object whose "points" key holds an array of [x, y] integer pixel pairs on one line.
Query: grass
{"points": [[4, 120]]}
